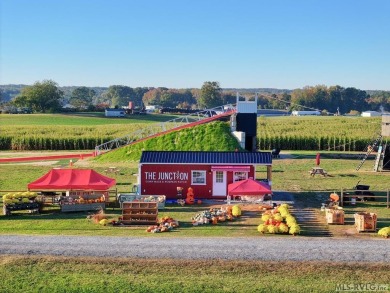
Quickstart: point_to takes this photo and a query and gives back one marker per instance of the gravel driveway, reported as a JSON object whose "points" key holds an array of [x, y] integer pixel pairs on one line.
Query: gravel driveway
{"points": [[256, 248]]}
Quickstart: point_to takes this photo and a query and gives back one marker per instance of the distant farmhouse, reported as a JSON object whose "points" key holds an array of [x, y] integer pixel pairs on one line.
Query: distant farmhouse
{"points": [[305, 113]]}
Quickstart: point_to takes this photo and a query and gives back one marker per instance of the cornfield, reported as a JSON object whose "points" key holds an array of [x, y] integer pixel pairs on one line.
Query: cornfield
{"points": [[288, 133], [317, 133]]}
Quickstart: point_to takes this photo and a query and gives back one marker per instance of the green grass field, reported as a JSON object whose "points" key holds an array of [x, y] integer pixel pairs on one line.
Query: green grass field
{"points": [[77, 119], [83, 274]]}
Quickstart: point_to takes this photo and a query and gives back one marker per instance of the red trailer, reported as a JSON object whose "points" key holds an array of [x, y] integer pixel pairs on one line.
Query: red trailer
{"points": [[208, 173]]}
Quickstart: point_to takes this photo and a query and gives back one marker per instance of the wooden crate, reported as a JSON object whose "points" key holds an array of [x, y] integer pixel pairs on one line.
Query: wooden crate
{"points": [[334, 216], [139, 213], [129, 197], [365, 222]]}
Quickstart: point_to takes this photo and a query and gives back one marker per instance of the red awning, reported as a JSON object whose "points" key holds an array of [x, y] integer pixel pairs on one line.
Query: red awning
{"points": [[249, 187], [231, 168], [72, 179]]}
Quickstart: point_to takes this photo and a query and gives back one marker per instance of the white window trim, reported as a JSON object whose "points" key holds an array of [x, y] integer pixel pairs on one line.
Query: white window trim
{"points": [[234, 175], [192, 177]]}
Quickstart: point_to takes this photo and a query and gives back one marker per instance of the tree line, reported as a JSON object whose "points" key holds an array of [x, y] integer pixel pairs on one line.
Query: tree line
{"points": [[334, 99], [47, 96]]}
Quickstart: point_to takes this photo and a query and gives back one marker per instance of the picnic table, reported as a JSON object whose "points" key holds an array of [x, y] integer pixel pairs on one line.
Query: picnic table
{"points": [[112, 170], [318, 170]]}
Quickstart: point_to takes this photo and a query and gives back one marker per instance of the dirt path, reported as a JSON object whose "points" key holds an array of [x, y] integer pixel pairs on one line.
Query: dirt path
{"points": [[308, 220]]}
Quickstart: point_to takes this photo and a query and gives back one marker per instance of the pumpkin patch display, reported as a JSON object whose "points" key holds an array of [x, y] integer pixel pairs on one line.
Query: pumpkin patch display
{"points": [[213, 216], [278, 221], [166, 224]]}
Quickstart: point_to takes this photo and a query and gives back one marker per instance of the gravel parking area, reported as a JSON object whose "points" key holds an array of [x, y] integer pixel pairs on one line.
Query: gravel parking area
{"points": [[256, 248]]}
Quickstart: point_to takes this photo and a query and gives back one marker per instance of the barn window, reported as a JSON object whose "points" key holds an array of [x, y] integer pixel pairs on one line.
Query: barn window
{"points": [[198, 177], [238, 176]]}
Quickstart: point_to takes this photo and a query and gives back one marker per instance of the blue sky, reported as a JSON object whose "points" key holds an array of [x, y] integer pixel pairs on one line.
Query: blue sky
{"points": [[181, 44]]}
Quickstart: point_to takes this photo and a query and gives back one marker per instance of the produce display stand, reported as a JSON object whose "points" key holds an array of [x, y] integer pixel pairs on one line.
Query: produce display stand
{"points": [[365, 222], [78, 207], [139, 213], [334, 216], [77, 201], [19, 201], [32, 207], [133, 197]]}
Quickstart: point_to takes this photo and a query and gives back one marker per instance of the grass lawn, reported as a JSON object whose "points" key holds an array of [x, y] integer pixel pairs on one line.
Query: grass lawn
{"points": [[78, 119], [52, 221], [84, 274]]}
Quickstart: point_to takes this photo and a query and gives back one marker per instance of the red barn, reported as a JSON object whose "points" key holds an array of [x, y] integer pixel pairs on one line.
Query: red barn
{"points": [[208, 173]]}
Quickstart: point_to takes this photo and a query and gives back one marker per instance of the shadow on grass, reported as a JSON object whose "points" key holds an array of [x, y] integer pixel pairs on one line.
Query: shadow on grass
{"points": [[53, 215]]}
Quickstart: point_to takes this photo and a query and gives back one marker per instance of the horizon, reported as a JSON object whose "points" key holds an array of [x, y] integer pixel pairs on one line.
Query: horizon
{"points": [[178, 44], [227, 89]]}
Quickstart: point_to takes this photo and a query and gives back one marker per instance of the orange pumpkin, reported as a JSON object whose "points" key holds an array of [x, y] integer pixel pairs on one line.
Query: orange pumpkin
{"points": [[222, 218], [229, 209]]}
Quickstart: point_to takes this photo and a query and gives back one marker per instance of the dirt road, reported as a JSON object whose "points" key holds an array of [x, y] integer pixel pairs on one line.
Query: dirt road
{"points": [[257, 248]]}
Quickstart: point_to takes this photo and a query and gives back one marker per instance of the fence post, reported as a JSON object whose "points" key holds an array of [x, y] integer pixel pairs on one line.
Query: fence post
{"points": [[388, 198], [341, 197]]}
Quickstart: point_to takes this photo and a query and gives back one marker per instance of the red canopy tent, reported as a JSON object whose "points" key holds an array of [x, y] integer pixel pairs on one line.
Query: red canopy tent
{"points": [[72, 179], [249, 187]]}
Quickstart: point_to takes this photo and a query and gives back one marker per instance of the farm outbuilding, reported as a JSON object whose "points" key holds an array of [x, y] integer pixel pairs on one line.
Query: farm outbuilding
{"points": [[371, 114], [386, 125], [207, 173], [305, 113], [114, 113]]}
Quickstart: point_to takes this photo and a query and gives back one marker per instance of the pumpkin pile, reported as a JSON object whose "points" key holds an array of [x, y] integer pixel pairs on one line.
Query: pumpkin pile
{"points": [[216, 215], [384, 232], [19, 197], [104, 219], [82, 200], [166, 224], [279, 221]]}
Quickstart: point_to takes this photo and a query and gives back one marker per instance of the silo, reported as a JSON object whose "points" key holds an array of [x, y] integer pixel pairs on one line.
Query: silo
{"points": [[386, 125], [386, 136]]}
